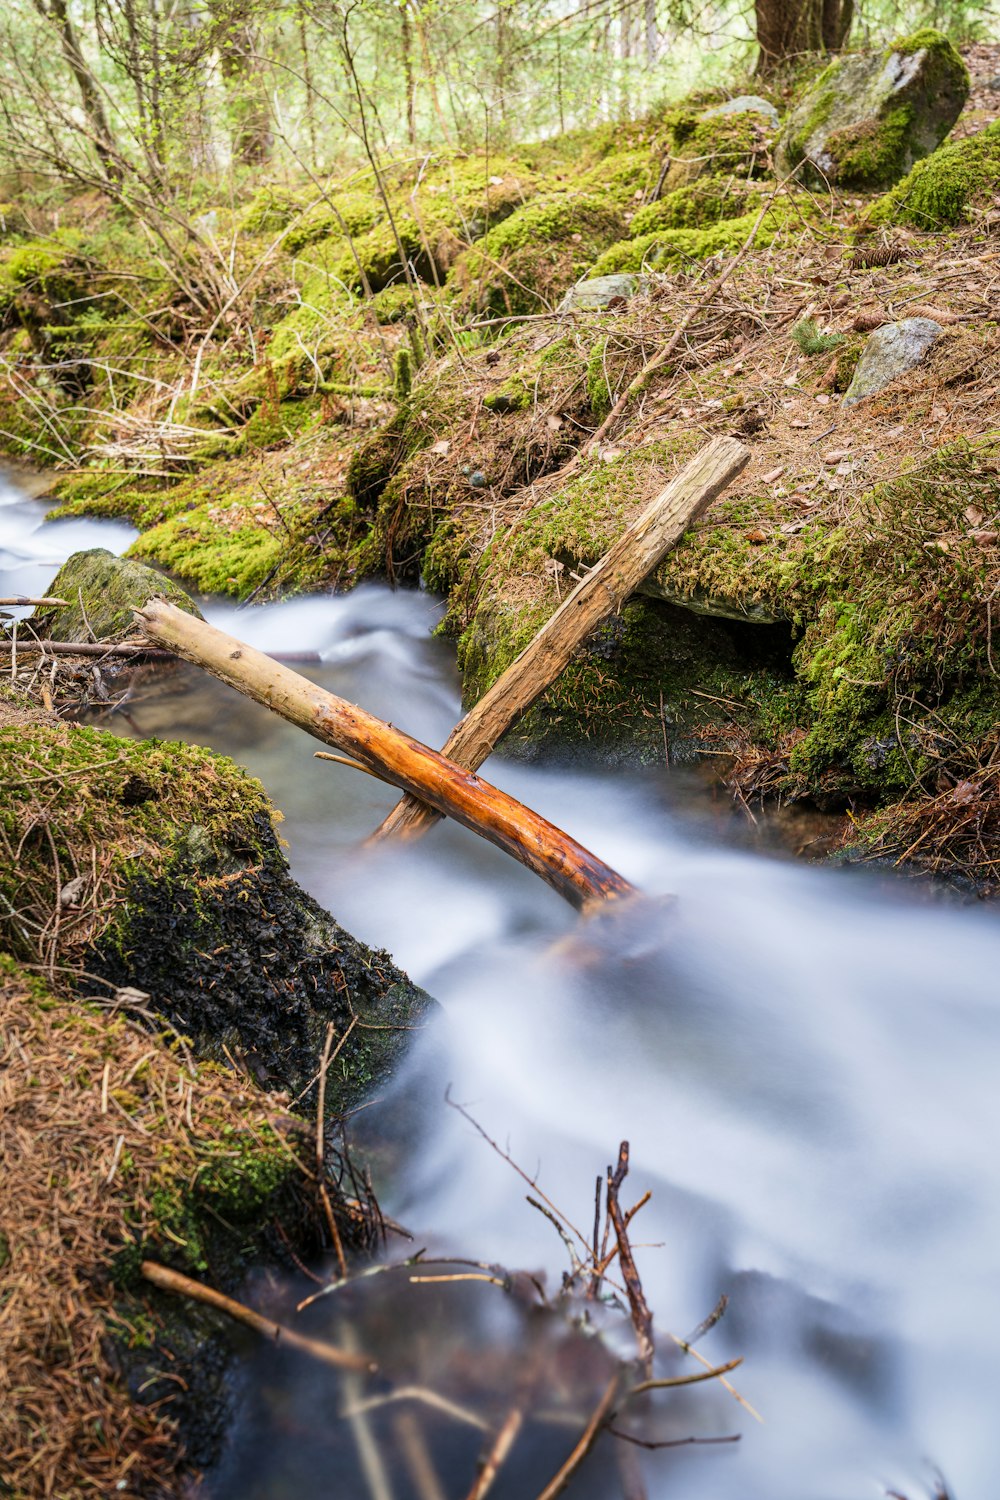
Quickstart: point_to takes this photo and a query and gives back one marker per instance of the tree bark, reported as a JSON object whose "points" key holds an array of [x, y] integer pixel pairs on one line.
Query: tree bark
{"points": [[791, 28], [601, 593], [236, 35], [57, 14], [573, 871]]}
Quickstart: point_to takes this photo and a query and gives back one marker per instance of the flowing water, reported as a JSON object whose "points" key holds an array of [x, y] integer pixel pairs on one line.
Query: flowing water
{"points": [[805, 1061]]}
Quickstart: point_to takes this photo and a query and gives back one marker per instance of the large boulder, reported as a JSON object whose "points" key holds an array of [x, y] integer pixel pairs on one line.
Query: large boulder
{"points": [[101, 592], [869, 117], [891, 351]]}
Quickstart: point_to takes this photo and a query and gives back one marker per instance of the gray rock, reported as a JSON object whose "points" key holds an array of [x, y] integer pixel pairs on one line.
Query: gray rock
{"points": [[890, 351], [870, 116], [595, 294], [745, 104]]}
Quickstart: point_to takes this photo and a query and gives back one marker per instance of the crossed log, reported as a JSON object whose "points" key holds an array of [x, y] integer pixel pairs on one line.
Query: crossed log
{"points": [[444, 784]]}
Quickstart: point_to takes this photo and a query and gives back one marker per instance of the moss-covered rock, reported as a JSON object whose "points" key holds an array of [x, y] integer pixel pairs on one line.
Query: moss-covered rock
{"points": [[38, 282], [706, 201], [101, 591], [944, 189], [702, 142], [869, 117], [674, 249], [530, 260], [163, 865]]}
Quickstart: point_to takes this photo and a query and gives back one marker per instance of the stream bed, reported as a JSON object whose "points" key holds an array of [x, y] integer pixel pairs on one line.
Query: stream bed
{"points": [[805, 1061]]}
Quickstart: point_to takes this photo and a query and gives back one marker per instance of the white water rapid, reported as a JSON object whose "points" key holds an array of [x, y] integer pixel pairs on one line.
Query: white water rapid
{"points": [[805, 1061]]}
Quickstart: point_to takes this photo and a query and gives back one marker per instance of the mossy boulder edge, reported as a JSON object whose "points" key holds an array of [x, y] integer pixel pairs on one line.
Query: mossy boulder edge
{"points": [[869, 117], [165, 870]]}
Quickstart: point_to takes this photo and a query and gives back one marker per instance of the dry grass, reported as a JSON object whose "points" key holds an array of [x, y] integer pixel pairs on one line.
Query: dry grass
{"points": [[78, 1165], [100, 1124]]}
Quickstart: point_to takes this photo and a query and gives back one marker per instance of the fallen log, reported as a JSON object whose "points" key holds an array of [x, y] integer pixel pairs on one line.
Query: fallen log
{"points": [[567, 866], [602, 592], [83, 648]]}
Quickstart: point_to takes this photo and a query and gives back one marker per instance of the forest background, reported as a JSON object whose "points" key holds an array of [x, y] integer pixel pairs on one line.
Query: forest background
{"points": [[157, 100]]}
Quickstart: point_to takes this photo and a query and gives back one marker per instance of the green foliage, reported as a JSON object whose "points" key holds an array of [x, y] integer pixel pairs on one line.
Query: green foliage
{"points": [[811, 340]]}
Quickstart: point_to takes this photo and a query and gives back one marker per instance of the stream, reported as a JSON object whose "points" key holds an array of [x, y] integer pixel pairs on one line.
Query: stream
{"points": [[806, 1062]]}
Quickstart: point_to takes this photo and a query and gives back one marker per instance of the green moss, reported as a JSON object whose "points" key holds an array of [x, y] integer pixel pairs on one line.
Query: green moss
{"points": [[944, 189], [527, 262], [599, 390], [515, 394], [673, 249], [622, 176], [706, 201], [216, 549], [102, 591], [898, 642], [873, 153], [106, 494], [274, 424], [703, 145], [402, 373], [849, 353]]}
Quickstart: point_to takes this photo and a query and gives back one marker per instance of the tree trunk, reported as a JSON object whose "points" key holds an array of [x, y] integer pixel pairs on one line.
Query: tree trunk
{"points": [[392, 756], [791, 28], [236, 36], [57, 14], [652, 34], [408, 77]]}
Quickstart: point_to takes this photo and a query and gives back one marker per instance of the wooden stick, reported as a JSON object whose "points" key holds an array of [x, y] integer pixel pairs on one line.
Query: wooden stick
{"points": [[173, 1281], [85, 648], [130, 648], [498, 1454], [601, 593], [568, 867], [22, 599], [601, 1414]]}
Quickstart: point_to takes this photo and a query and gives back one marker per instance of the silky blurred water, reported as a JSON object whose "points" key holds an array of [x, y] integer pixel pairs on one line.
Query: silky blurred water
{"points": [[804, 1060]]}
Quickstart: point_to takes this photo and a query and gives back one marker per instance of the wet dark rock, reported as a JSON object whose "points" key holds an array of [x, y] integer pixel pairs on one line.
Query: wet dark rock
{"points": [[239, 959]]}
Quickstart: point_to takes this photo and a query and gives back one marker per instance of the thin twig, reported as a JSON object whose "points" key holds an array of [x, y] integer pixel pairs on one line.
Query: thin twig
{"points": [[172, 1281]]}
